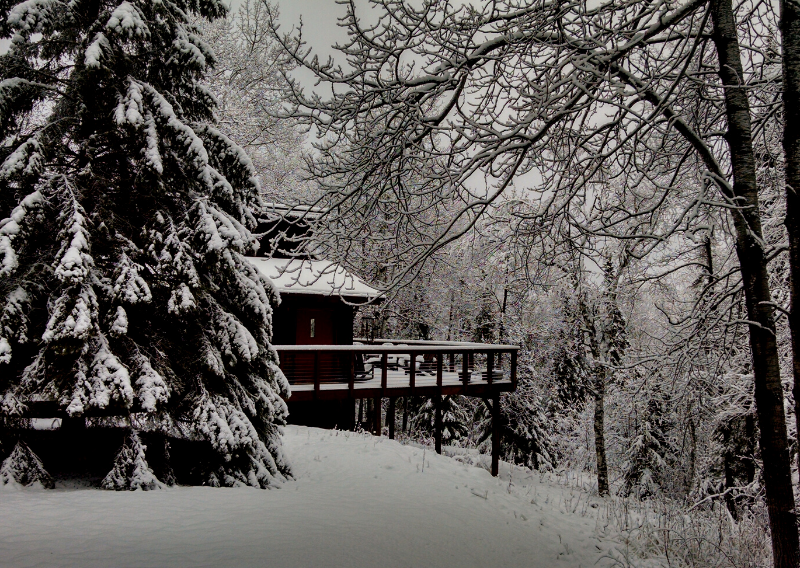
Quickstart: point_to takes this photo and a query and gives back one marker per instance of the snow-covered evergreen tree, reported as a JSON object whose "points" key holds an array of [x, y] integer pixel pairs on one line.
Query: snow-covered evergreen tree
{"points": [[454, 418], [646, 457], [23, 467], [126, 217]]}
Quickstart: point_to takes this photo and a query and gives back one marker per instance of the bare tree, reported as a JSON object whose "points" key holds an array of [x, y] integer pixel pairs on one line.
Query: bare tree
{"points": [[441, 111], [249, 87]]}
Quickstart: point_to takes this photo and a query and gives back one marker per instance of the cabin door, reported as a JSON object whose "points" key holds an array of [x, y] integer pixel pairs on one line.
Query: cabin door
{"points": [[315, 327]]}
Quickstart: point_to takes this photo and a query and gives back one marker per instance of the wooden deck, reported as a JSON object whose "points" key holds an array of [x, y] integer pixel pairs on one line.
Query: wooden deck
{"points": [[328, 372], [382, 369]]}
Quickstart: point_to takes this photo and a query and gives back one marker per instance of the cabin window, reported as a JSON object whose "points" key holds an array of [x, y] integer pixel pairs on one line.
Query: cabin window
{"points": [[313, 326]]}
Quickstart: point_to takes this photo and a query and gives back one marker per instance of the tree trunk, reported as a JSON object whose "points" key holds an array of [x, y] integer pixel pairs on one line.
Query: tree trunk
{"points": [[692, 457], [790, 32], [599, 432], [753, 264]]}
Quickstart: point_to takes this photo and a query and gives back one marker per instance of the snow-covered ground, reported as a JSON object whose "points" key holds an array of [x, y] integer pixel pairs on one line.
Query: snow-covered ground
{"points": [[356, 501]]}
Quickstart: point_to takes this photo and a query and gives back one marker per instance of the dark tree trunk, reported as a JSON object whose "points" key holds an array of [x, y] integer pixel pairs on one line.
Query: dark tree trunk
{"points": [[753, 264], [790, 32], [728, 458], [599, 433], [692, 456]]}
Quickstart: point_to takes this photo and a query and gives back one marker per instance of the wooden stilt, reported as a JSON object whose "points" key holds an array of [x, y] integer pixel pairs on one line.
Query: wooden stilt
{"points": [[437, 427], [360, 412], [377, 416], [350, 411], [495, 434], [390, 416]]}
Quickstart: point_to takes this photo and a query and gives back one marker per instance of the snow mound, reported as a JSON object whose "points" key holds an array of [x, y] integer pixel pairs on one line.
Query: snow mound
{"points": [[357, 501]]}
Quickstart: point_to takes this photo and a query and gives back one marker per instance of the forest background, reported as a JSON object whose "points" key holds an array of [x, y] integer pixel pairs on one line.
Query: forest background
{"points": [[637, 360]]}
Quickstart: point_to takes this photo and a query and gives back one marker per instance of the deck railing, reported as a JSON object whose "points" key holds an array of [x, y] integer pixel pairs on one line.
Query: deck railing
{"points": [[397, 368]]}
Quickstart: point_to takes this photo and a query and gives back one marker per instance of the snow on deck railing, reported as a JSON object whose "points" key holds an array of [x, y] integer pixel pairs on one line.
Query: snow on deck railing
{"points": [[390, 368]]}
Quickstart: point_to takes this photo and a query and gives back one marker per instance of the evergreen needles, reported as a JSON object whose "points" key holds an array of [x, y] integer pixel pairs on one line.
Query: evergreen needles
{"points": [[126, 219]]}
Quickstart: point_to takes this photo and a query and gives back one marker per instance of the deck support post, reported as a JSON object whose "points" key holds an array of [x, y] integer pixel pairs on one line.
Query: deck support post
{"points": [[465, 369], [390, 415], [316, 375], [437, 426], [350, 412], [495, 434], [377, 416]]}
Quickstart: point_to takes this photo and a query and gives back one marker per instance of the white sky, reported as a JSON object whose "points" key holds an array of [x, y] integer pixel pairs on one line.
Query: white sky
{"points": [[319, 22]]}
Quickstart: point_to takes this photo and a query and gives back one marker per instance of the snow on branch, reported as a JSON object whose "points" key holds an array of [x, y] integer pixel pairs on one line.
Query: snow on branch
{"points": [[25, 161], [75, 260], [103, 381], [12, 227]]}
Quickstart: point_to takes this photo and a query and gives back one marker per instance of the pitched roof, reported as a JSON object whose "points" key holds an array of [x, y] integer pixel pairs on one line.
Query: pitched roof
{"points": [[318, 277]]}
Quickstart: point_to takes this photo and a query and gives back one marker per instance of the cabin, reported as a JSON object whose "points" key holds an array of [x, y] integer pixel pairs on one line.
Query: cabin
{"points": [[319, 300], [329, 370]]}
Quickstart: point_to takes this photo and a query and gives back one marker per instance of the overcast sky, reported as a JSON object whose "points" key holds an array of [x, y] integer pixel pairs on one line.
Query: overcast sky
{"points": [[319, 21]]}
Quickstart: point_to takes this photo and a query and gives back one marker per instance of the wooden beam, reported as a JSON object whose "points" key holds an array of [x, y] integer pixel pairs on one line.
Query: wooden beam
{"points": [[339, 391], [390, 415], [351, 373], [316, 374], [412, 372], [437, 425], [377, 416], [489, 367], [465, 368], [350, 408], [495, 434], [384, 369]]}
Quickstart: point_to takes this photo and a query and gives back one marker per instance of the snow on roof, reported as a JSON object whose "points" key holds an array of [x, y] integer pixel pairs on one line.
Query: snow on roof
{"points": [[320, 277]]}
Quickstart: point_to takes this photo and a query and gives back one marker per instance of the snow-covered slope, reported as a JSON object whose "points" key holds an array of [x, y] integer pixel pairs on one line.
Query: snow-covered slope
{"points": [[357, 501]]}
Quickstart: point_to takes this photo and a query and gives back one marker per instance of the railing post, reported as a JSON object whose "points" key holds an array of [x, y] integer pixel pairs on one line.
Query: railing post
{"points": [[412, 371], [384, 370], [465, 368], [489, 367], [439, 373]]}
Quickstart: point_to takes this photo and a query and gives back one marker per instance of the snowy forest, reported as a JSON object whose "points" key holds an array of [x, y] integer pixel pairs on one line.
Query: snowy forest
{"points": [[608, 185]]}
